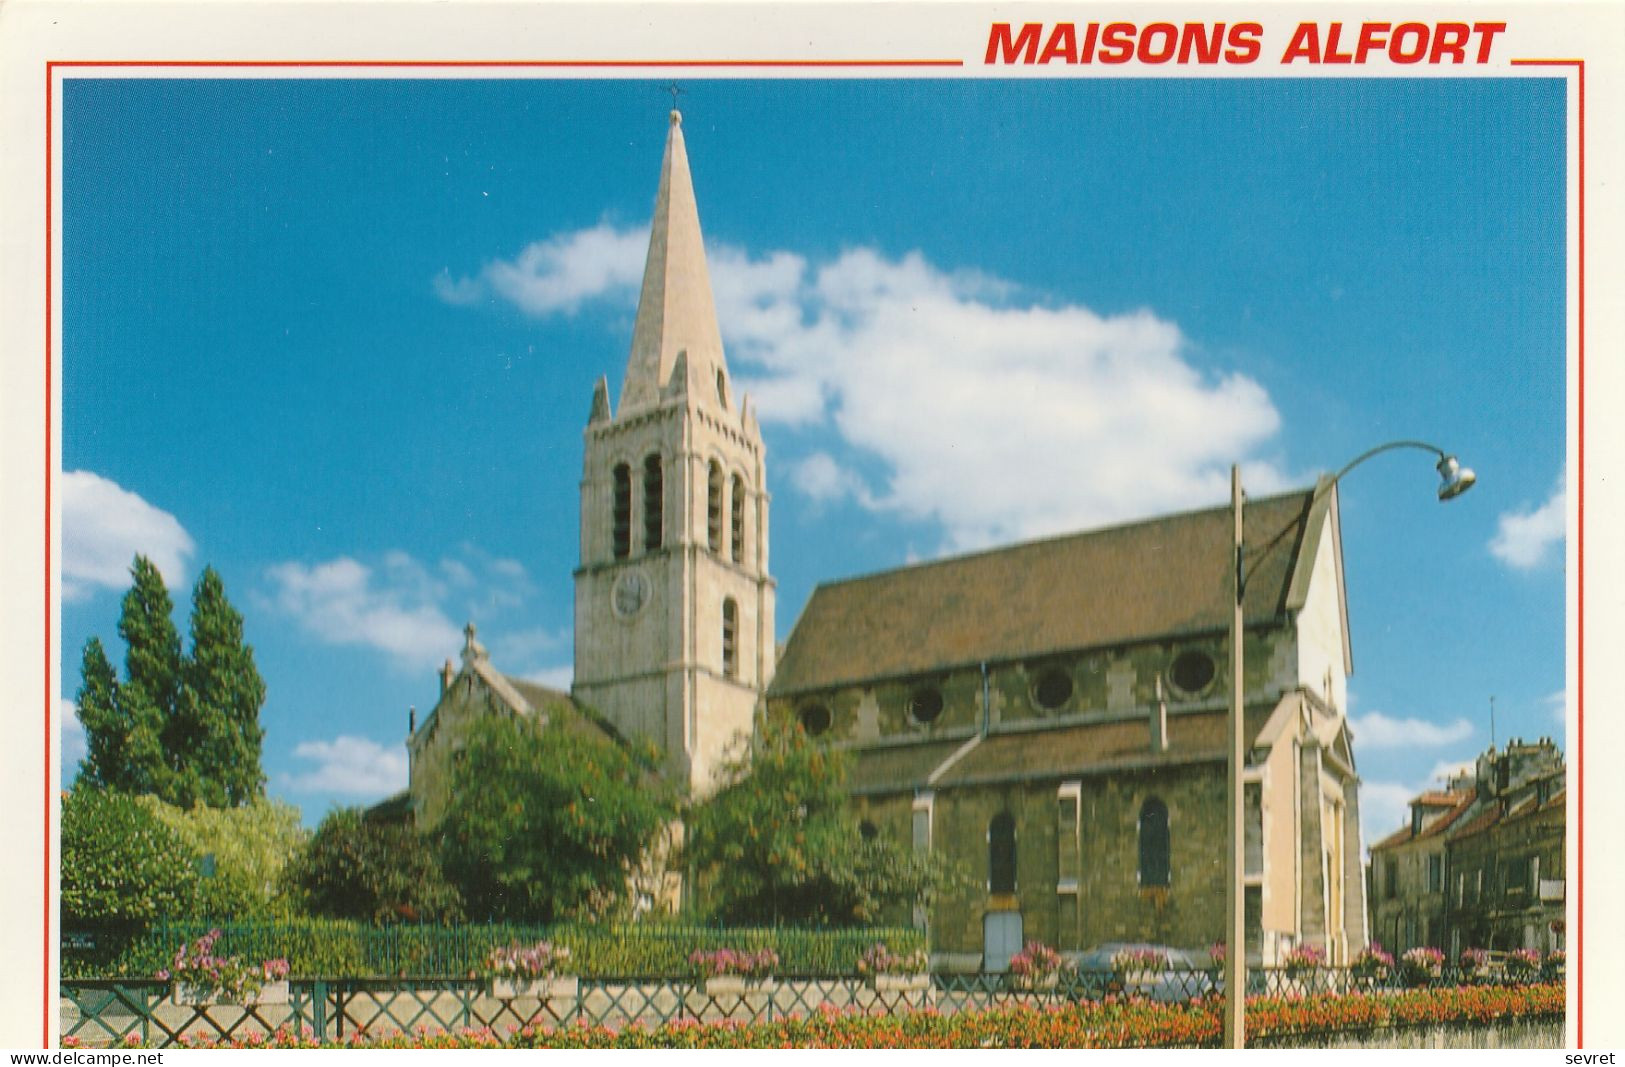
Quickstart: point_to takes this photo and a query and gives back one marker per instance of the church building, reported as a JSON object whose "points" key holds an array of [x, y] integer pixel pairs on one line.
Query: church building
{"points": [[1048, 716]]}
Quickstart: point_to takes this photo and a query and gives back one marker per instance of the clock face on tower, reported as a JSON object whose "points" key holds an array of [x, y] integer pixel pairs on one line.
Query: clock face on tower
{"points": [[631, 592]]}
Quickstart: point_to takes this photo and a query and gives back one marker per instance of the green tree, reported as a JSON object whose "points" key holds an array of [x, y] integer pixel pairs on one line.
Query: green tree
{"points": [[243, 853], [546, 824], [354, 868], [121, 864], [124, 747], [779, 843], [215, 737], [183, 728]]}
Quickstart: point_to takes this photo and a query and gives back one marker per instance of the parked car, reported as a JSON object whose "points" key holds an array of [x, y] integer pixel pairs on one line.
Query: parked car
{"points": [[1184, 976]]}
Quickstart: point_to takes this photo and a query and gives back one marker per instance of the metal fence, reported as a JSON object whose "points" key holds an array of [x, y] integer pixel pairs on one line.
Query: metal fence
{"points": [[108, 1012]]}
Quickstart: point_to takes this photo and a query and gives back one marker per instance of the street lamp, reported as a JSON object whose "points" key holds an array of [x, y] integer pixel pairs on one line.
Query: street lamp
{"points": [[1454, 481]]}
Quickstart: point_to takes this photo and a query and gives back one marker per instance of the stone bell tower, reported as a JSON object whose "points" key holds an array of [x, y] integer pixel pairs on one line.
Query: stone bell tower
{"points": [[674, 638]]}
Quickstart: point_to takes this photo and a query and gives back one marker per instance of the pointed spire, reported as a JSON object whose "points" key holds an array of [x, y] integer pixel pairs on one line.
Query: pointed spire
{"points": [[676, 312], [600, 401]]}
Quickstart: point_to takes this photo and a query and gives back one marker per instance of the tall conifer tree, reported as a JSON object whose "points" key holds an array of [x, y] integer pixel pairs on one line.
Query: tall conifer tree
{"points": [[185, 729], [217, 732], [152, 660]]}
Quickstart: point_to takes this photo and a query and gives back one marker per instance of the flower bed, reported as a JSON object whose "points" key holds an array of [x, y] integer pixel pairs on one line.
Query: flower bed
{"points": [[529, 971], [891, 972], [728, 972], [1113, 1023], [201, 976]]}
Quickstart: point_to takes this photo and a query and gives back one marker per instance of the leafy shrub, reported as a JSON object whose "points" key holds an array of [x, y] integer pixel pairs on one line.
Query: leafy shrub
{"points": [[355, 868], [121, 866], [243, 853], [544, 824], [779, 842], [335, 948]]}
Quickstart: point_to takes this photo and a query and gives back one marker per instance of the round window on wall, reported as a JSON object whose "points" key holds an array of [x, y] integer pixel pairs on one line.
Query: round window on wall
{"points": [[1192, 671], [1054, 688], [815, 719], [925, 705]]}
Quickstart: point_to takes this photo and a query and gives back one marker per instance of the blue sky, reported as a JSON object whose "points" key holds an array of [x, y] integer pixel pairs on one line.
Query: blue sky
{"points": [[338, 339]]}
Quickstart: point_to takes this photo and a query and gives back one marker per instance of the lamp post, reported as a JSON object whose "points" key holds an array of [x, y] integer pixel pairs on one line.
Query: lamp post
{"points": [[1454, 480]]}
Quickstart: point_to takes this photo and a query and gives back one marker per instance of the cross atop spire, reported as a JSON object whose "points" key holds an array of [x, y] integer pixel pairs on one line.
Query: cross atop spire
{"points": [[676, 312]]}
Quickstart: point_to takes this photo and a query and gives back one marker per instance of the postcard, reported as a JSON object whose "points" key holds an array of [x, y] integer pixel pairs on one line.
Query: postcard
{"points": [[778, 514]]}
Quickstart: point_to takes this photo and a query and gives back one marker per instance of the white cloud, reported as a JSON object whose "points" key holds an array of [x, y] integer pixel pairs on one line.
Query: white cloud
{"points": [[1384, 808], [74, 745], [1557, 706], [553, 677], [344, 602], [1376, 730], [104, 526], [351, 766], [1524, 538], [1444, 770], [411, 611], [998, 415], [459, 291], [819, 477], [558, 274], [529, 645]]}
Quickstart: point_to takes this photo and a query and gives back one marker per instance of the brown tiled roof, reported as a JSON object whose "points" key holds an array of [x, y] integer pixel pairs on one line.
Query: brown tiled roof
{"points": [[1463, 802], [1480, 822], [900, 769], [1163, 577], [1076, 750], [561, 708], [1438, 798], [1398, 837]]}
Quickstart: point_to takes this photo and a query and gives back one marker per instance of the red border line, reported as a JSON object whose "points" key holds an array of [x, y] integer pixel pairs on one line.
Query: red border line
{"points": [[1580, 429], [1580, 555], [45, 958], [554, 64]]}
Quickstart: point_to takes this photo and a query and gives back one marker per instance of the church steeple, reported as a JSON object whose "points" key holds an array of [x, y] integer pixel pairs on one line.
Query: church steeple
{"points": [[676, 313], [674, 602]]}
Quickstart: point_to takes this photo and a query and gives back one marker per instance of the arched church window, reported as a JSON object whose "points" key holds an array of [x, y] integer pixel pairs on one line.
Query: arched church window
{"points": [[622, 511], [722, 388], [730, 648], [1154, 845], [1001, 854], [738, 519], [713, 506], [653, 503]]}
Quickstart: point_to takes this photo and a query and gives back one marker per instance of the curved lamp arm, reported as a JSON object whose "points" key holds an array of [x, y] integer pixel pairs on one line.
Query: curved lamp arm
{"points": [[1455, 479]]}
